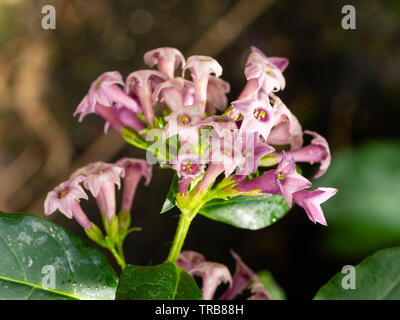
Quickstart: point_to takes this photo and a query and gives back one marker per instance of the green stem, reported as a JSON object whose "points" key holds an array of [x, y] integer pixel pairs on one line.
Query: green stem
{"points": [[120, 259], [180, 235]]}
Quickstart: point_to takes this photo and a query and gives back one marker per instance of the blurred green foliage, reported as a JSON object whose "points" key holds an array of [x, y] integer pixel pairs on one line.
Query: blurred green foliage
{"points": [[365, 214]]}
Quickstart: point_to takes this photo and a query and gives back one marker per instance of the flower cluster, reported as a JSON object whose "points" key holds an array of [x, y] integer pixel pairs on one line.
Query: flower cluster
{"points": [[214, 274], [100, 179], [207, 138]]}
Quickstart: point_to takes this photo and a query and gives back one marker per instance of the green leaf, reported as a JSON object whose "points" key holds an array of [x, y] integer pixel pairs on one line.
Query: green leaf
{"points": [[33, 250], [247, 212], [271, 285], [364, 216], [162, 282], [170, 201], [376, 278]]}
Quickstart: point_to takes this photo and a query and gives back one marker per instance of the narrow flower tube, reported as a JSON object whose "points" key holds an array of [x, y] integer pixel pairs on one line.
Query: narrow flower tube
{"points": [[212, 172], [122, 117], [141, 83], [134, 169], [284, 180], [201, 68]]}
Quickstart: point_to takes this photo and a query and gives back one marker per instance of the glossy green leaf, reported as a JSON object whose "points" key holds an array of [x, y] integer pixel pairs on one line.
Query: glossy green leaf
{"points": [[364, 216], [34, 252], [376, 278], [271, 285], [162, 282], [170, 201], [247, 212]]}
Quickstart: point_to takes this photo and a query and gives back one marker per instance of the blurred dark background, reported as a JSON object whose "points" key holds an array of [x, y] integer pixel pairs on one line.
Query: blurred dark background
{"points": [[341, 83]]}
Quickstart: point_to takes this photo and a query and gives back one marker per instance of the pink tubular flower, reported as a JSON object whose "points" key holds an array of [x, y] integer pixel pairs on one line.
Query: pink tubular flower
{"points": [[141, 83], [134, 169], [311, 202], [222, 124], [201, 67], [166, 59], [216, 95], [284, 180], [317, 151], [263, 72], [104, 91], [189, 259], [188, 165], [213, 275], [253, 151], [182, 122], [100, 178], [242, 278], [286, 129], [258, 114], [65, 198]]}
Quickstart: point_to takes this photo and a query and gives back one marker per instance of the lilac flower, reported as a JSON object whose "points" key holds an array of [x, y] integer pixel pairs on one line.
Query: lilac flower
{"points": [[263, 72], [182, 122], [286, 129], [227, 151], [222, 124], [284, 180], [317, 151], [244, 278], [100, 177], [201, 67], [65, 198], [281, 63], [140, 83], [189, 259], [253, 150], [259, 292], [104, 91], [311, 202], [167, 60], [134, 169], [216, 95], [213, 275], [258, 114], [188, 165]]}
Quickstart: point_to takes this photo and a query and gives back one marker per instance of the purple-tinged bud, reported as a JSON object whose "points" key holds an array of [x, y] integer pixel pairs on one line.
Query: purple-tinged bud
{"points": [[134, 169]]}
